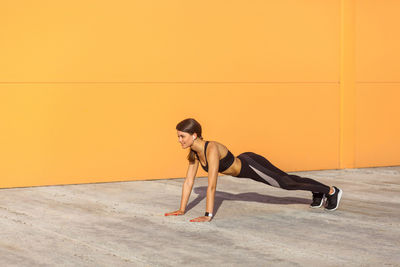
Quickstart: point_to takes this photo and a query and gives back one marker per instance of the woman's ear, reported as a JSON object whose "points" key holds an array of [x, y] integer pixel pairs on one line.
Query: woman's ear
{"points": [[194, 136]]}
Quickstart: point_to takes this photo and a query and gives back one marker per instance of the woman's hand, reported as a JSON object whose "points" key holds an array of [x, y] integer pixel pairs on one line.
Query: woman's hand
{"points": [[175, 213], [201, 219]]}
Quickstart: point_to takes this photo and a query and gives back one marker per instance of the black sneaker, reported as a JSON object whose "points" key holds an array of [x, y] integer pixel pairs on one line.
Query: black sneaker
{"points": [[332, 201], [317, 200]]}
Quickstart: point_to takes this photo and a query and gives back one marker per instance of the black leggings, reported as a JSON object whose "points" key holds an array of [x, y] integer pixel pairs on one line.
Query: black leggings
{"points": [[258, 168]]}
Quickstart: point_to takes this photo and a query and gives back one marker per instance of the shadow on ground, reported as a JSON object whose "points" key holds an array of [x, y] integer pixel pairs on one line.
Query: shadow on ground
{"points": [[221, 196]]}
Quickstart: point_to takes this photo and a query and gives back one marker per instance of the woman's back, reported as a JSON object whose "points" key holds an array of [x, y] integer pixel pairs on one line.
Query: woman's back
{"points": [[226, 158]]}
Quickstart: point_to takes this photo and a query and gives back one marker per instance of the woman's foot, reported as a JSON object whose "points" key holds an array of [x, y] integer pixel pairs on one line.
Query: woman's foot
{"points": [[317, 200], [332, 200]]}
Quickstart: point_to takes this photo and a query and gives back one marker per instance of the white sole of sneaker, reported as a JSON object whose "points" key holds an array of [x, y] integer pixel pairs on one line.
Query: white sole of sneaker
{"points": [[339, 197], [320, 204]]}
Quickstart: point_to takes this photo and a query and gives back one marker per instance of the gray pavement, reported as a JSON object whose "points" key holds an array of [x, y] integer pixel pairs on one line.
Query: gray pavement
{"points": [[123, 224]]}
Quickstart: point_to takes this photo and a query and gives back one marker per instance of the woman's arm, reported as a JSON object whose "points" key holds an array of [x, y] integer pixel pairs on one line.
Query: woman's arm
{"points": [[188, 184], [186, 188], [213, 166]]}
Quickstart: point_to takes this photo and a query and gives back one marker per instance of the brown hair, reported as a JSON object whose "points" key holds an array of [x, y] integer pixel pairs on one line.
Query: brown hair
{"points": [[190, 126]]}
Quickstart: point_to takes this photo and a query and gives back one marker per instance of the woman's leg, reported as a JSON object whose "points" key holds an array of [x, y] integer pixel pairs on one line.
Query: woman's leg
{"points": [[258, 168]]}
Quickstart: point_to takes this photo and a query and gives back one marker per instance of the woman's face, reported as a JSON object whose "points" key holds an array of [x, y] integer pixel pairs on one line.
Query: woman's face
{"points": [[186, 139]]}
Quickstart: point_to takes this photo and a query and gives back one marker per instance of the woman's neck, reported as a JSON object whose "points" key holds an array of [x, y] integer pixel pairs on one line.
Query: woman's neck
{"points": [[198, 145]]}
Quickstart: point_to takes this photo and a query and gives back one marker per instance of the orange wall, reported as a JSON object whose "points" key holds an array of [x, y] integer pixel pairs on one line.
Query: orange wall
{"points": [[111, 132], [377, 83], [91, 91], [169, 41]]}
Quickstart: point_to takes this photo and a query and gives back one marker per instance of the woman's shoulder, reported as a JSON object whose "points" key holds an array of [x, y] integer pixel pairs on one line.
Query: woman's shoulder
{"points": [[217, 146], [216, 143]]}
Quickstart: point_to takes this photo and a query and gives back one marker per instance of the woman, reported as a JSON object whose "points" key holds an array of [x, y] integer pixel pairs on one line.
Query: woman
{"points": [[215, 157]]}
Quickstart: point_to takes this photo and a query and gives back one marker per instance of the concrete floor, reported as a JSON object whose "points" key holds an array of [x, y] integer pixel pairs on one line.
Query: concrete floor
{"points": [[123, 224]]}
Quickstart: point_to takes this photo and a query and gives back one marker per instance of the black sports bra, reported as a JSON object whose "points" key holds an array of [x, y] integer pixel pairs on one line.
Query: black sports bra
{"points": [[224, 163]]}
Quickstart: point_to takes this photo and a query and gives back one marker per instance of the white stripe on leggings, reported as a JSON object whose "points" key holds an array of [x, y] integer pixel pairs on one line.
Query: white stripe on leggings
{"points": [[270, 180]]}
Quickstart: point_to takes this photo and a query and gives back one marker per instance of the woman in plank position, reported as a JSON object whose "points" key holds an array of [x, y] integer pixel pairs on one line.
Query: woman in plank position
{"points": [[214, 157]]}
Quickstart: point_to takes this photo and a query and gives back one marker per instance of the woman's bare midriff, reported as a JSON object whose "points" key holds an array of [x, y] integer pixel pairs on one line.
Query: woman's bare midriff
{"points": [[234, 169]]}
